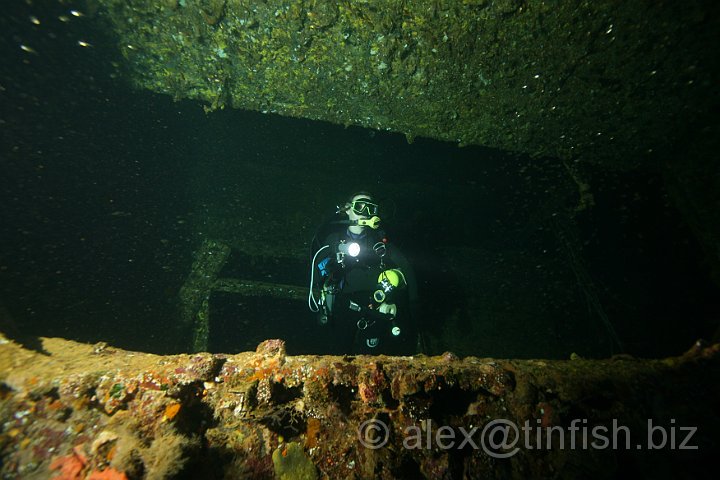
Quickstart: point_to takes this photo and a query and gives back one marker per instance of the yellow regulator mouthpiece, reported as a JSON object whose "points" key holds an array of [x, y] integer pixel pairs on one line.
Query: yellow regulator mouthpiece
{"points": [[372, 222]]}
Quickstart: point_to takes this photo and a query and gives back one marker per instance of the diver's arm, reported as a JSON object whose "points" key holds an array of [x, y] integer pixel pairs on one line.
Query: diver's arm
{"points": [[325, 262], [407, 321], [401, 262]]}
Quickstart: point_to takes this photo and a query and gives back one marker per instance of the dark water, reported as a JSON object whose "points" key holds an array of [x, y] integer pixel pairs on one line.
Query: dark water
{"points": [[107, 191]]}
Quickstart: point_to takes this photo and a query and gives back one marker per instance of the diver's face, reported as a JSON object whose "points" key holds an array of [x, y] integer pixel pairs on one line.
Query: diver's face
{"points": [[360, 207]]}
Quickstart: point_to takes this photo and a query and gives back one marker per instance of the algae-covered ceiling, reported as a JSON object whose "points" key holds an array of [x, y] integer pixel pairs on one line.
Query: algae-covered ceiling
{"points": [[609, 81]]}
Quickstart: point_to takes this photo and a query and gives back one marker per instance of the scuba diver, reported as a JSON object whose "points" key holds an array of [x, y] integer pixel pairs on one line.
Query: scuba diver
{"points": [[368, 291]]}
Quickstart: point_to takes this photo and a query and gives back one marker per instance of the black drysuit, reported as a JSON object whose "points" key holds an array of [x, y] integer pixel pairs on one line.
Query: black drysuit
{"points": [[357, 325]]}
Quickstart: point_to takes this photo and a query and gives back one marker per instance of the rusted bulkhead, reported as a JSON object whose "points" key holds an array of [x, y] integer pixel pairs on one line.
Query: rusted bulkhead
{"points": [[607, 80]]}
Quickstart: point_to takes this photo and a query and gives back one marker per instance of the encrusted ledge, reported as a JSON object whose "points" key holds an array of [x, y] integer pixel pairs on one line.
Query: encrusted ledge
{"points": [[94, 411]]}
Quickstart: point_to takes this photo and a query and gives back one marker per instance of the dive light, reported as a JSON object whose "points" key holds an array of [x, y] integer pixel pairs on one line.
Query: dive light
{"points": [[352, 249]]}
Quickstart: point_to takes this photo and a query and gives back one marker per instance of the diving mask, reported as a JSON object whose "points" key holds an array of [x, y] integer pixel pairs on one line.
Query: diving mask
{"points": [[363, 206]]}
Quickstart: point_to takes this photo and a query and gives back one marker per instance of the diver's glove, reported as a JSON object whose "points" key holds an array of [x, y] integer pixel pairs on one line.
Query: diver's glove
{"points": [[388, 309]]}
